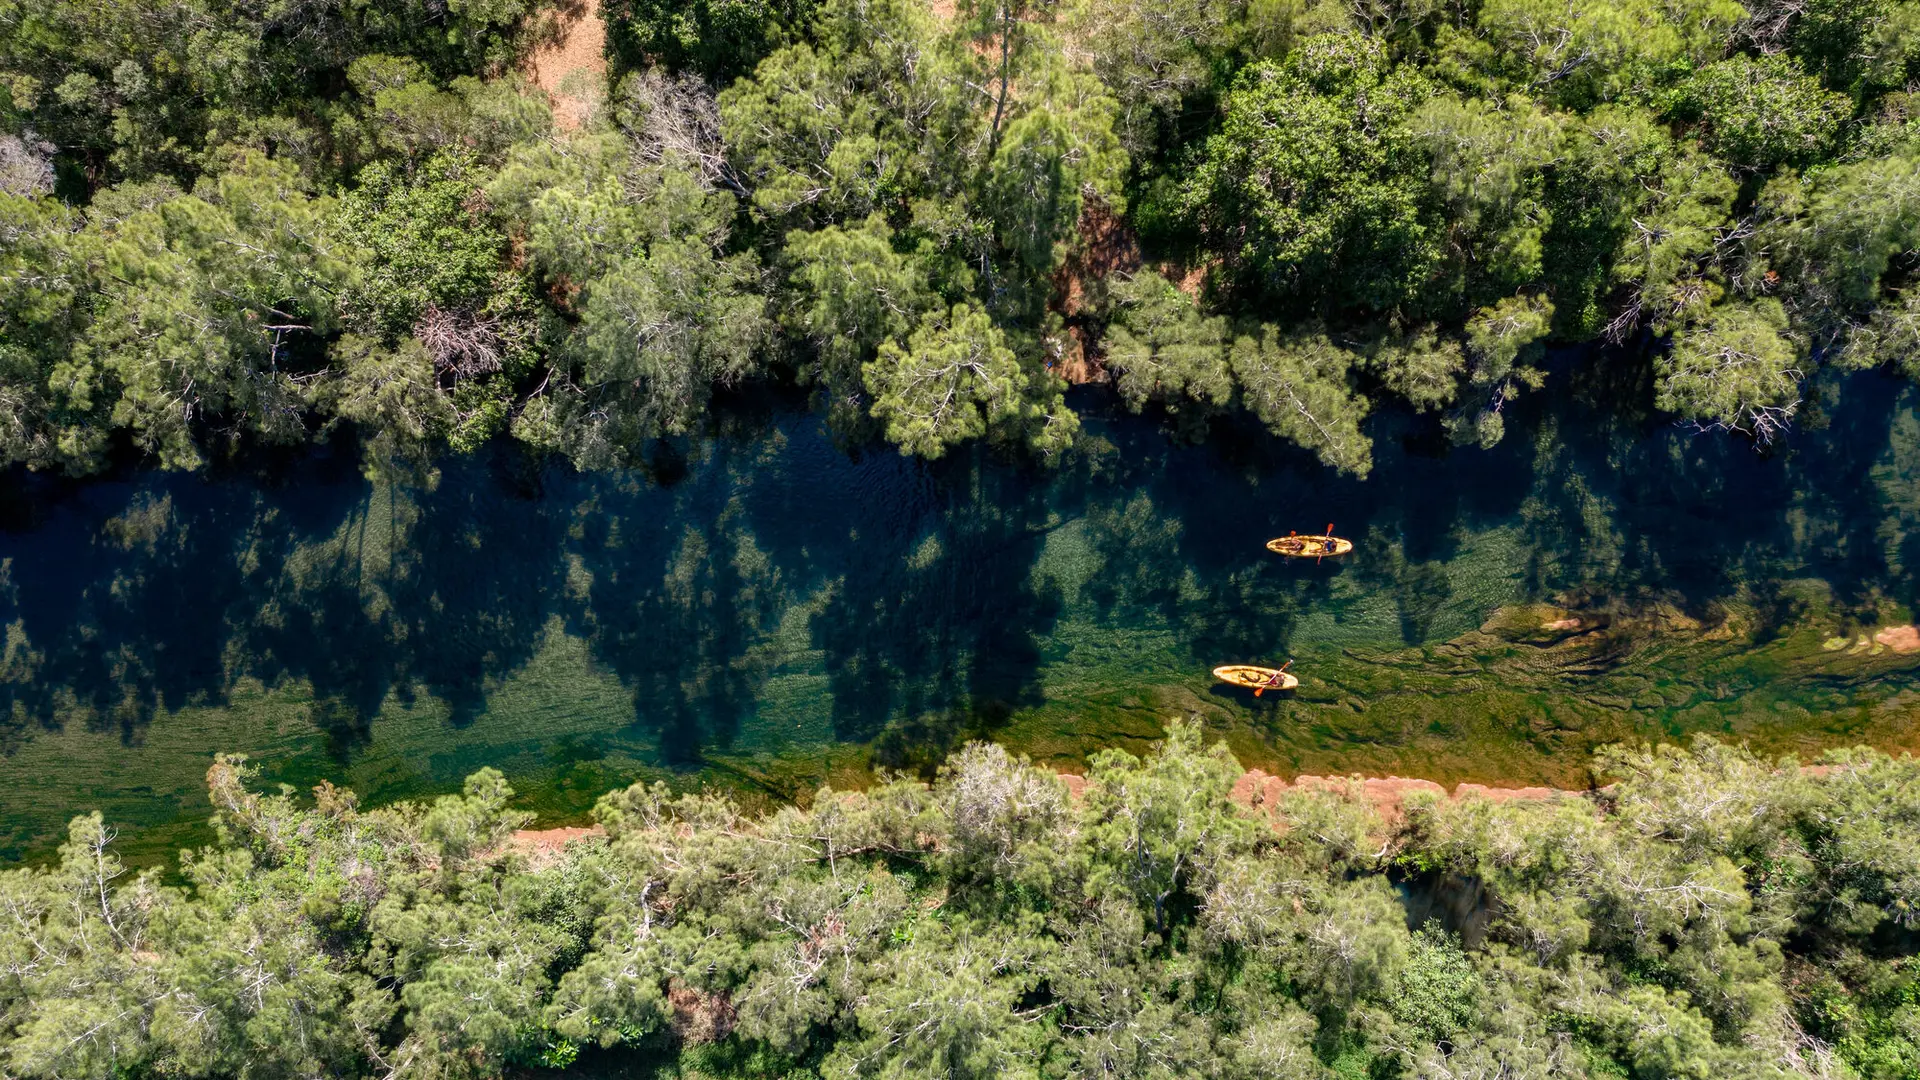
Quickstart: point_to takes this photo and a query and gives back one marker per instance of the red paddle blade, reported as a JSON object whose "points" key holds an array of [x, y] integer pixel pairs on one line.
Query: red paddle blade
{"points": [[1258, 690]]}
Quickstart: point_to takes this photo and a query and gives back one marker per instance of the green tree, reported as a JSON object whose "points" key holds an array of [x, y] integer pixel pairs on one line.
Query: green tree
{"points": [[876, 113], [1438, 988], [1609, 173], [1832, 236], [672, 325], [1154, 58], [77, 998], [1705, 913], [1860, 830], [1857, 46], [403, 114], [43, 312], [1314, 185], [887, 115], [139, 89], [457, 326], [1302, 388], [256, 986], [1668, 260], [1000, 813], [946, 1004], [1423, 366], [202, 299], [1764, 112], [1155, 827], [1891, 336], [955, 379], [1734, 371], [393, 393], [1489, 168], [632, 223], [855, 292], [1501, 340], [1301, 385], [1163, 350], [1582, 54], [1047, 158], [718, 40]]}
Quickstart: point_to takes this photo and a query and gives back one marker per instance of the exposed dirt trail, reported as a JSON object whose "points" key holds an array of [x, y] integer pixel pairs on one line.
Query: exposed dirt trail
{"points": [[1255, 789], [580, 45]]}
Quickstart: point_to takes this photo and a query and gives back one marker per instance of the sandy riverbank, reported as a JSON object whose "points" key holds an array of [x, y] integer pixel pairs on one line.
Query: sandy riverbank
{"points": [[1256, 788]]}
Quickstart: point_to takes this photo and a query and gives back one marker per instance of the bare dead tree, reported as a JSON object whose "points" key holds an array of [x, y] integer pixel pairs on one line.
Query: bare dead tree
{"points": [[1769, 23], [677, 116], [1625, 322], [462, 343], [26, 165]]}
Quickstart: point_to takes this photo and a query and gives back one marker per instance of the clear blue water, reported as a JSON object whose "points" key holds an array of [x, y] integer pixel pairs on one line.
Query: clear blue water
{"points": [[765, 609]]}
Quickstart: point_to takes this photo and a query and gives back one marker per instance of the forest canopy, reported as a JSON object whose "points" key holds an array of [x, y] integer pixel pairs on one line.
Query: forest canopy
{"points": [[1705, 914], [226, 225]]}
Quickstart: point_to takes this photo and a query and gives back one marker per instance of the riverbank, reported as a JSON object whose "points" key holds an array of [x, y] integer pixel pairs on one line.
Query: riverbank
{"points": [[995, 899], [1255, 790]]}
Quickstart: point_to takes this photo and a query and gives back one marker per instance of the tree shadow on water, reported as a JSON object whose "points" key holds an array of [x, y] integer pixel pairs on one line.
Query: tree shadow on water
{"points": [[927, 593], [928, 617], [477, 581], [1603, 495], [141, 596], [126, 600], [675, 594]]}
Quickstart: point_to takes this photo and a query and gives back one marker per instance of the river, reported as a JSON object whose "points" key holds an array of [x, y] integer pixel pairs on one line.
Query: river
{"points": [[766, 610]]}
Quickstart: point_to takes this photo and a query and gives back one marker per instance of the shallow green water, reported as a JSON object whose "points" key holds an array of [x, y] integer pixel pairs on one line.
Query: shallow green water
{"points": [[763, 610]]}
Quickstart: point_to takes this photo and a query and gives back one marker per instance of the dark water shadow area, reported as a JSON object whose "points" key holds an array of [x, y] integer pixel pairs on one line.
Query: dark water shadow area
{"points": [[763, 608]]}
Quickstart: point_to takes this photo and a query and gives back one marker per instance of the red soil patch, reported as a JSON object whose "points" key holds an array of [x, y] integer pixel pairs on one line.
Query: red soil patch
{"points": [[1192, 280], [1505, 794], [545, 847], [1076, 364], [579, 44], [1257, 790], [1104, 247], [1899, 638], [698, 1017]]}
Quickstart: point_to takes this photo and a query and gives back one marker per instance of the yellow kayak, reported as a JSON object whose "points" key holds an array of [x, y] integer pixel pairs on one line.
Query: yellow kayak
{"points": [[1315, 546], [1255, 678]]}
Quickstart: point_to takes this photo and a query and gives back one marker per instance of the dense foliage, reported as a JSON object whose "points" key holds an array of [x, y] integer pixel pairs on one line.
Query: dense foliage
{"points": [[224, 223], [1708, 915]]}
